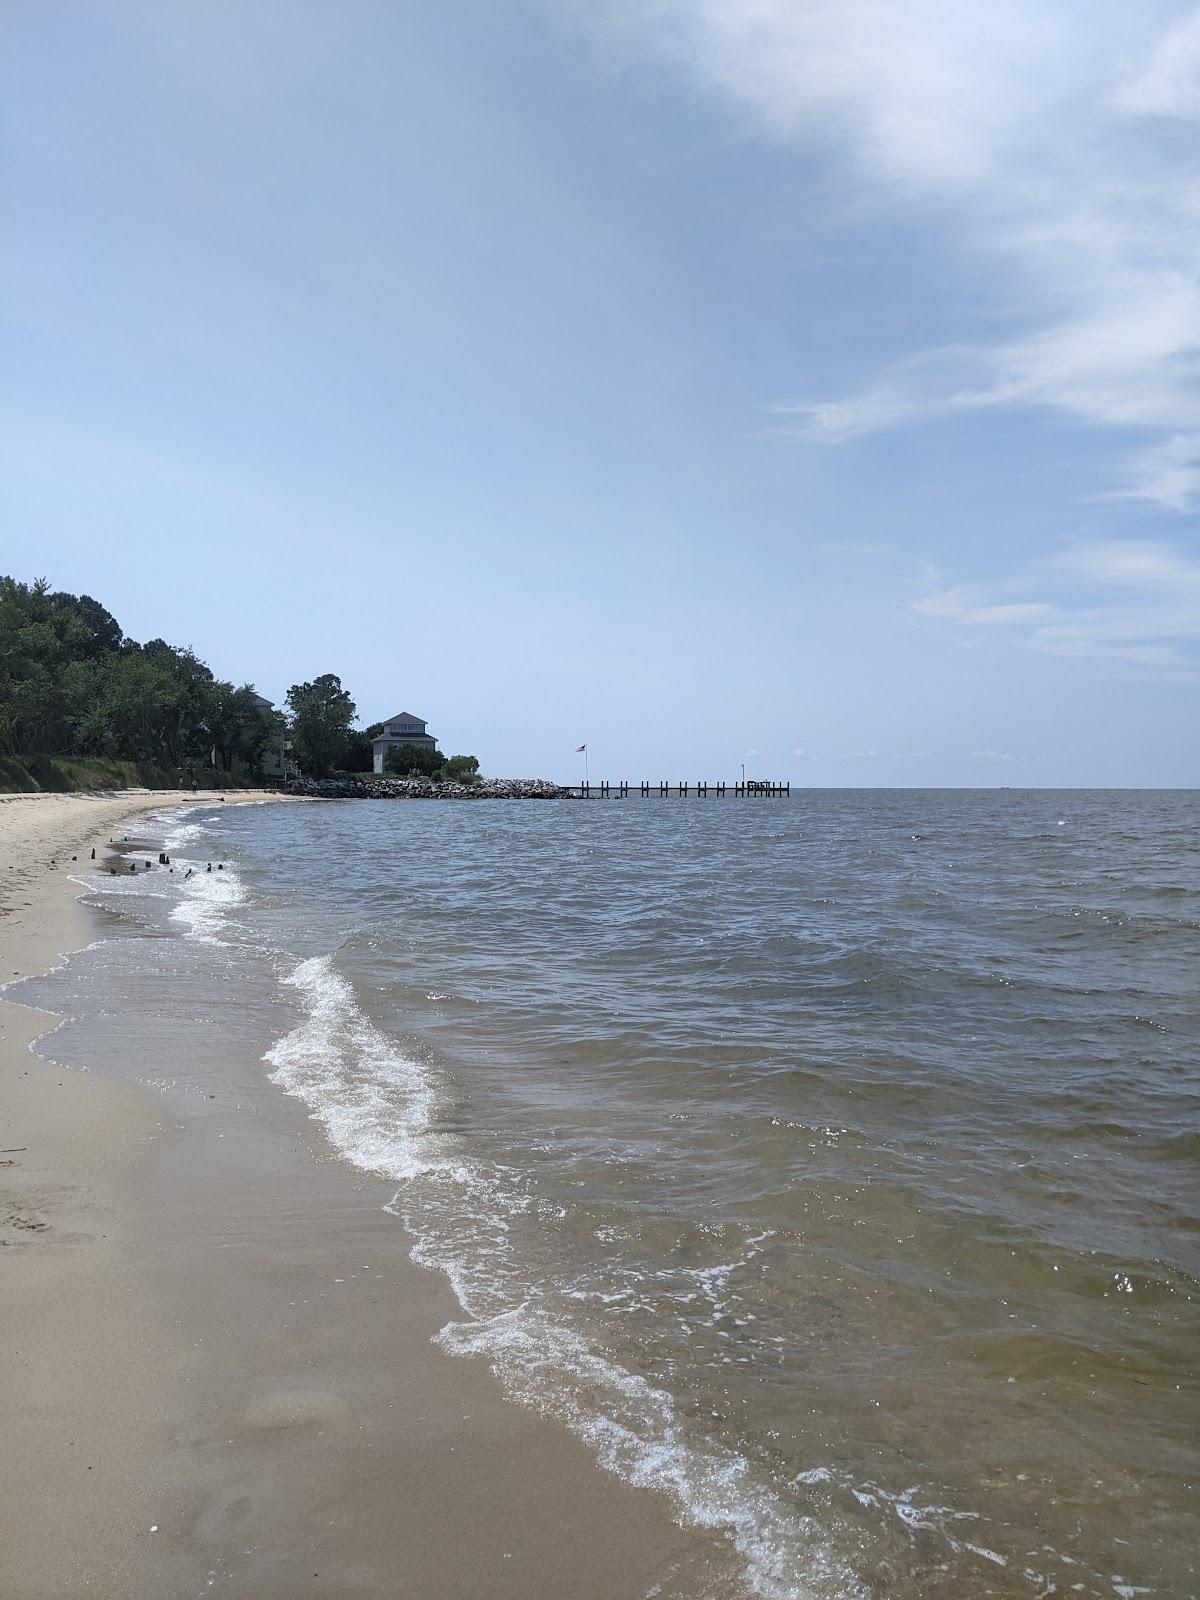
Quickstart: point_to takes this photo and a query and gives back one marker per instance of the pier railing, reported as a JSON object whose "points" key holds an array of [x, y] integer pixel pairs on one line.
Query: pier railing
{"points": [[748, 788]]}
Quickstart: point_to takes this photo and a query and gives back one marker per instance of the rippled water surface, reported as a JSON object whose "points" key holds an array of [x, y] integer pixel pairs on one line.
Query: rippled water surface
{"points": [[828, 1162]]}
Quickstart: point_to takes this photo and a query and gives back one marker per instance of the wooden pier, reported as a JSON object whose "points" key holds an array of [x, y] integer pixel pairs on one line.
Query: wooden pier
{"points": [[751, 788]]}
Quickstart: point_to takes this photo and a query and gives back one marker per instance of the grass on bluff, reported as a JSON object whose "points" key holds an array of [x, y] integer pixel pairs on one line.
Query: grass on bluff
{"points": [[35, 774]]}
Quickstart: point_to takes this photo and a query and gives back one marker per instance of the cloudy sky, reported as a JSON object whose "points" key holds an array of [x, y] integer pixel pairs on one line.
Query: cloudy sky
{"points": [[812, 383]]}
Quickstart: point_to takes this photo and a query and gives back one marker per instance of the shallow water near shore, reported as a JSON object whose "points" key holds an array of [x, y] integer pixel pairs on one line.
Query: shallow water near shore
{"points": [[826, 1163]]}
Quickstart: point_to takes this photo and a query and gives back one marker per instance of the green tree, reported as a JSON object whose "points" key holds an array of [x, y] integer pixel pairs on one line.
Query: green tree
{"points": [[358, 754], [461, 769], [238, 725], [413, 761], [71, 683], [322, 713], [41, 634], [185, 689], [96, 629]]}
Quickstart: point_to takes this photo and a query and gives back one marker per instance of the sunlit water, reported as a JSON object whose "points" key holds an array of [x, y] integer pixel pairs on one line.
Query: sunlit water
{"points": [[828, 1163]]}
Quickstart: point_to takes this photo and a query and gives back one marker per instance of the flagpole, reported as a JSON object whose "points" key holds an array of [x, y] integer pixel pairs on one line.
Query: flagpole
{"points": [[586, 779]]}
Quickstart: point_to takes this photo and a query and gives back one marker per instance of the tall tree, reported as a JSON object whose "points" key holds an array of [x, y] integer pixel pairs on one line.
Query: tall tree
{"points": [[98, 629], [238, 725], [359, 752], [71, 683], [322, 713]]}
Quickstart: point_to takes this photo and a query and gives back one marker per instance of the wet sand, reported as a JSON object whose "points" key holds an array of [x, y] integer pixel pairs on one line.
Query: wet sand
{"points": [[217, 1369]]}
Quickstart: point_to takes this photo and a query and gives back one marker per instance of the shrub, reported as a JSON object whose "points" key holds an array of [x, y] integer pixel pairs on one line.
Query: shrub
{"points": [[413, 761], [461, 769]]}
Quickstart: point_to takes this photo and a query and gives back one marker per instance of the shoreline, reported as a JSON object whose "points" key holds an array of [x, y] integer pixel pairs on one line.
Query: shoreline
{"points": [[207, 1389], [82, 1343]]}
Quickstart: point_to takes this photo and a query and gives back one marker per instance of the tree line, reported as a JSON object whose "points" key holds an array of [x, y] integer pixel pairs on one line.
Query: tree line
{"points": [[72, 684]]}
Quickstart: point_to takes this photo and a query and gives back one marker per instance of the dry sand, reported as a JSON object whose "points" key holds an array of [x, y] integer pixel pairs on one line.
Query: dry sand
{"points": [[217, 1369]]}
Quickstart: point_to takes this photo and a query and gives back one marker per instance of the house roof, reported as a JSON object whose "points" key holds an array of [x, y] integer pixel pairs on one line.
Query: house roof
{"points": [[404, 716]]}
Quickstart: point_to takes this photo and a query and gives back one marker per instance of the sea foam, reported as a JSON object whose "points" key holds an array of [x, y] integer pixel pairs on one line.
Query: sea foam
{"points": [[379, 1106], [374, 1102]]}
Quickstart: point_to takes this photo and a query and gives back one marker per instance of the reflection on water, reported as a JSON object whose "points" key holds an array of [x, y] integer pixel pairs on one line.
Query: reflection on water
{"points": [[827, 1162]]}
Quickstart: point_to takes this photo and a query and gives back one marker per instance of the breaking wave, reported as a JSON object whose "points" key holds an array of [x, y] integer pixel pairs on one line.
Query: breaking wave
{"points": [[380, 1109]]}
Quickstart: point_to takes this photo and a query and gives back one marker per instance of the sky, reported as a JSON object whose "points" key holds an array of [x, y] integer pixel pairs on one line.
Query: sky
{"points": [[809, 384]]}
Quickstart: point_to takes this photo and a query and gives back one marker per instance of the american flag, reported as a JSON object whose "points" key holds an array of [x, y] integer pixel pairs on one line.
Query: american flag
{"points": [[581, 749]]}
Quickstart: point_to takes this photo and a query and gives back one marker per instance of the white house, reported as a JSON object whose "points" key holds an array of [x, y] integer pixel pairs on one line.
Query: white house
{"points": [[401, 729]]}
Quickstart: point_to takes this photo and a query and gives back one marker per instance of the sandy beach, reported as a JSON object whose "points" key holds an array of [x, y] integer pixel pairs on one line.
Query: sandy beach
{"points": [[218, 1374]]}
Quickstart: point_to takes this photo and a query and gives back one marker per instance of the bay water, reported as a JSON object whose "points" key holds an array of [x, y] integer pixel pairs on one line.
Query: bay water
{"points": [[827, 1163]]}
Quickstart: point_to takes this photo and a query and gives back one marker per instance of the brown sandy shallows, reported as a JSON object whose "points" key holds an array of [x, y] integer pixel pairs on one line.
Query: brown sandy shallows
{"points": [[217, 1375]]}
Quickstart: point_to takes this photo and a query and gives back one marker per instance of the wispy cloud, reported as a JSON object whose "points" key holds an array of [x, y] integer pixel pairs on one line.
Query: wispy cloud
{"points": [[992, 755], [1044, 136], [1133, 601], [870, 755], [1169, 82]]}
